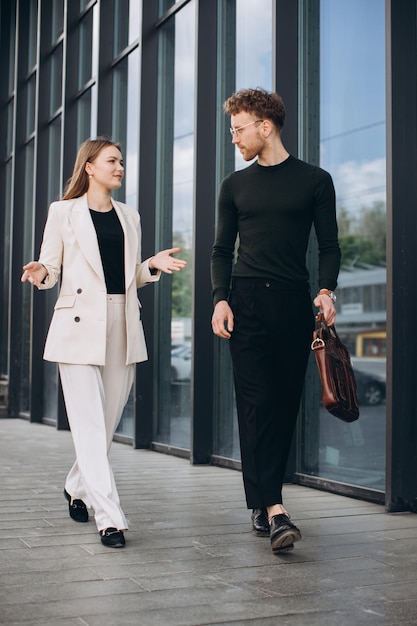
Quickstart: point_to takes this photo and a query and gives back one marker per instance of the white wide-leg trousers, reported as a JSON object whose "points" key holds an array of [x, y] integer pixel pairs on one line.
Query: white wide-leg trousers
{"points": [[94, 398]]}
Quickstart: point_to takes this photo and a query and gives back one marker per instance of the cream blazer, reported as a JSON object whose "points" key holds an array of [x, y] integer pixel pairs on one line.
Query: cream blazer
{"points": [[77, 333]]}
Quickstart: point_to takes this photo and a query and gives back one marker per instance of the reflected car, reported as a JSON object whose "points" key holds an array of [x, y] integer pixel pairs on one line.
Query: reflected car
{"points": [[371, 389], [181, 362]]}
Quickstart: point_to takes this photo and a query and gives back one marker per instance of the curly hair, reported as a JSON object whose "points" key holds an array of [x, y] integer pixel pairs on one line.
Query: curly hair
{"points": [[262, 103], [77, 185]]}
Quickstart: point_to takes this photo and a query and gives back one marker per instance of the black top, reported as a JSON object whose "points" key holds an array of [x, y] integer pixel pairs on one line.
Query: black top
{"points": [[111, 243], [272, 210]]}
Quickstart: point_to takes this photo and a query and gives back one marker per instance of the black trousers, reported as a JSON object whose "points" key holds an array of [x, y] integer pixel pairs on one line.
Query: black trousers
{"points": [[270, 346]]}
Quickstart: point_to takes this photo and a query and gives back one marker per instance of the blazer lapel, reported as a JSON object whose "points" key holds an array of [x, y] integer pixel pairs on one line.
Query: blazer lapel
{"points": [[85, 233]]}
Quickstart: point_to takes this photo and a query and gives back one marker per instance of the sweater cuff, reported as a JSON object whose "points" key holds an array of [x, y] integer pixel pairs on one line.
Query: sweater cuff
{"points": [[220, 294]]}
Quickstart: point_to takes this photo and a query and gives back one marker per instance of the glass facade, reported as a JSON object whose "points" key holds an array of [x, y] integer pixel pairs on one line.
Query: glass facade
{"points": [[134, 70], [253, 67], [175, 190], [353, 150]]}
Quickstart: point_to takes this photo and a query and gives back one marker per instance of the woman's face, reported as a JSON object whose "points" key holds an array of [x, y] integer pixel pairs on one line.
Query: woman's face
{"points": [[107, 169]]}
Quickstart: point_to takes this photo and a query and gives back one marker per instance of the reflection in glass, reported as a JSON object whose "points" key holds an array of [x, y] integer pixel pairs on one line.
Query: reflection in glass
{"points": [[84, 117], [135, 20], [253, 23], [85, 46], [175, 225], [9, 130], [127, 20], [11, 54], [352, 149], [4, 317], [32, 35], [83, 4], [125, 426], [131, 140], [254, 61], [119, 109], [25, 320], [125, 130], [57, 19], [54, 160], [55, 98], [120, 25], [50, 379], [30, 104]]}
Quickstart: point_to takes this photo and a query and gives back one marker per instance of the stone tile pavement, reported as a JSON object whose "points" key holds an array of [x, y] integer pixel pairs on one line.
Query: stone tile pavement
{"points": [[190, 558]]}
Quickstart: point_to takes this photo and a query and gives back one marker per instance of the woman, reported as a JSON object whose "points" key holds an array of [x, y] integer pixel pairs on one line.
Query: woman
{"points": [[95, 335]]}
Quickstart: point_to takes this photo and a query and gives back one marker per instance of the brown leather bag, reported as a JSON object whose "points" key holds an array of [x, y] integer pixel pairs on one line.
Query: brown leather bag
{"points": [[336, 373]]}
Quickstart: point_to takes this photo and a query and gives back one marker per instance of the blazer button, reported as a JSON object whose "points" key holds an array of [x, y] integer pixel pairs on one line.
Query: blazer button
{"points": [[76, 319], [79, 290]]}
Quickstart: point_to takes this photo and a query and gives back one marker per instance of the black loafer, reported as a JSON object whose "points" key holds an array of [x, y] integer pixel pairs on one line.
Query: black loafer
{"points": [[283, 533], [260, 524], [112, 538], [77, 509]]}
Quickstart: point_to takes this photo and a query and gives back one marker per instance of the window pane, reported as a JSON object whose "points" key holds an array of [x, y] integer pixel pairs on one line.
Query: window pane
{"points": [[176, 156], [32, 35], [131, 140], [84, 117], [54, 160], [254, 61], [85, 50], [55, 100], [253, 67], [127, 20], [125, 130], [352, 149], [30, 105], [11, 53], [9, 130], [50, 379], [119, 109], [4, 352], [125, 122], [25, 329], [57, 20], [135, 19]]}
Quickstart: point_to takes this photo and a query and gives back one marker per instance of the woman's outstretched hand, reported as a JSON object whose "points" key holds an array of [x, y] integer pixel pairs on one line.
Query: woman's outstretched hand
{"points": [[34, 272], [164, 262]]}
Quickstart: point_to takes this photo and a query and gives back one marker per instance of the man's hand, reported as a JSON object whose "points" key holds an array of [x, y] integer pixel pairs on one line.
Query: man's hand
{"points": [[325, 303], [222, 320]]}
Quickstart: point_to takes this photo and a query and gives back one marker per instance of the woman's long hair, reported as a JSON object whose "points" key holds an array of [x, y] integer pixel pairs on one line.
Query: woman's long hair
{"points": [[77, 185]]}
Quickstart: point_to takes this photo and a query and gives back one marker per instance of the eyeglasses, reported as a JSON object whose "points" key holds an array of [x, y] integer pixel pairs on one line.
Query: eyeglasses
{"points": [[235, 131]]}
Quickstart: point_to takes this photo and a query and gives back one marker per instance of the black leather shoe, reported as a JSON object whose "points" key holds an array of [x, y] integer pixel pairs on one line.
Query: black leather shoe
{"points": [[112, 538], [77, 509], [283, 533], [260, 524]]}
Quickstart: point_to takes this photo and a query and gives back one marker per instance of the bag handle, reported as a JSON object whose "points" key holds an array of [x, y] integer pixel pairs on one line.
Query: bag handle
{"points": [[318, 341]]}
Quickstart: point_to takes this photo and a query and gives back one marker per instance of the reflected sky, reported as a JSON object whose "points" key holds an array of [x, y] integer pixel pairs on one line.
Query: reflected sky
{"points": [[352, 99], [352, 95]]}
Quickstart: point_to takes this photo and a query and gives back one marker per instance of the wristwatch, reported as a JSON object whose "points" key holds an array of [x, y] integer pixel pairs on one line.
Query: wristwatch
{"points": [[327, 292]]}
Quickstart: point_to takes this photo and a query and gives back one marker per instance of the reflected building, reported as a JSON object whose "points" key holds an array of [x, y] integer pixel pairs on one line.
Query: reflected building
{"points": [[153, 76], [362, 312]]}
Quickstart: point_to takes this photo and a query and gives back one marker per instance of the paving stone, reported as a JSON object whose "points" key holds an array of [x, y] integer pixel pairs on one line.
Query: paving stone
{"points": [[190, 559]]}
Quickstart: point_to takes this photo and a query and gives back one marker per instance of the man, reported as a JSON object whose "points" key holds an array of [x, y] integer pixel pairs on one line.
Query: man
{"points": [[262, 302]]}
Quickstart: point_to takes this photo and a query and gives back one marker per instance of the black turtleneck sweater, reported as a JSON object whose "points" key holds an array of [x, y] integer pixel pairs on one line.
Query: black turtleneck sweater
{"points": [[272, 210]]}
